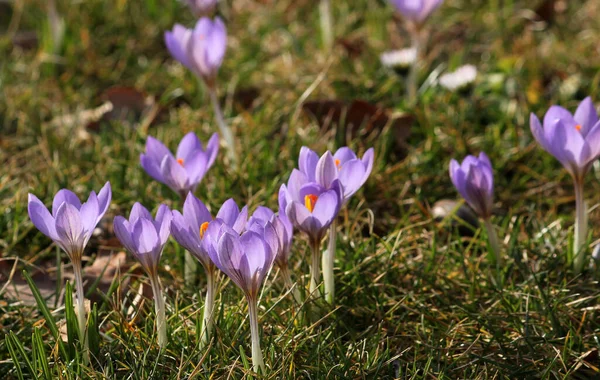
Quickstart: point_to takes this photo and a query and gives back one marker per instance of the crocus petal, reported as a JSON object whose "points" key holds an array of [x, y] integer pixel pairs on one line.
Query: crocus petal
{"points": [[152, 167], [195, 211], [229, 212], [177, 41], [174, 174], [538, 131], [104, 198], [196, 167], [352, 176], [556, 113], [593, 141], [303, 219], [327, 170], [217, 43], [69, 228], [139, 212], [144, 236], [240, 221], [229, 250], [163, 223], [65, 196], [156, 150], [586, 116], [307, 163], [197, 47], [212, 148], [89, 215], [327, 207], [122, 231], [256, 252], [344, 154], [295, 183], [188, 145], [41, 217]]}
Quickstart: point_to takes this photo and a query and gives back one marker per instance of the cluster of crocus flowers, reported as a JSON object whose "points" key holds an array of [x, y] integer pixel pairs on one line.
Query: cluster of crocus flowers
{"points": [[202, 50], [574, 139], [314, 196], [145, 237], [182, 172], [70, 226], [246, 259], [416, 13], [189, 230], [474, 180]]}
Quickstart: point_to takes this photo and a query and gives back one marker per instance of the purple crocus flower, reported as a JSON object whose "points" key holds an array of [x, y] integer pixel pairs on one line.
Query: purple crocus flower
{"points": [[573, 139], [474, 180], [70, 226], [264, 216], [202, 8], [310, 206], [182, 172], [416, 11], [246, 259], [344, 165], [200, 49], [71, 223], [145, 237]]}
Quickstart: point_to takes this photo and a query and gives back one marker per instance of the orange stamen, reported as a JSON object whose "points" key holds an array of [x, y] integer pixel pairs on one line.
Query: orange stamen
{"points": [[203, 229], [578, 127], [309, 201], [337, 163], [180, 161]]}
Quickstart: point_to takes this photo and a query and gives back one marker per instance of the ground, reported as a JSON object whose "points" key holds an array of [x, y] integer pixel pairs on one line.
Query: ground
{"points": [[417, 297]]}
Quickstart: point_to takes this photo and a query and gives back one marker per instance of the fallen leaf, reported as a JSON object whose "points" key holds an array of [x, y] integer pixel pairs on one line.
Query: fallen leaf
{"points": [[353, 47]]}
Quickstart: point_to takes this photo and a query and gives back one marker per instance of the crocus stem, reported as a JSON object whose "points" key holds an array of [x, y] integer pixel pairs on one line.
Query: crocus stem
{"points": [[159, 307], [81, 318], [493, 239], [257, 357], [580, 227], [209, 305], [223, 127], [411, 81], [326, 23], [328, 259], [315, 246], [287, 278]]}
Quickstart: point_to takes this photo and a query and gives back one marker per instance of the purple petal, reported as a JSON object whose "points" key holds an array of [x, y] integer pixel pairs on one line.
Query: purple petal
{"points": [[212, 148], [344, 154], [177, 41], [593, 141], [240, 221], [41, 217], [122, 230], [104, 198], [295, 183], [69, 228], [195, 211], [228, 212], [152, 167], [163, 223], [89, 215], [139, 212], [586, 115], [64, 196], [174, 174], [303, 219], [188, 145], [262, 213], [196, 167], [327, 170], [144, 236], [352, 176], [216, 43], [229, 252], [327, 208], [307, 163], [556, 113]]}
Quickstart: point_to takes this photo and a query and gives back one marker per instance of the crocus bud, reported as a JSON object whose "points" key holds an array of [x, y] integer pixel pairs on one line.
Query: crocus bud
{"points": [[202, 8], [474, 180], [416, 11]]}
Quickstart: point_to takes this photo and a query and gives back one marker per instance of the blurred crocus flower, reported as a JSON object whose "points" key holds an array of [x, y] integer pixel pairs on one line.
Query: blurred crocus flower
{"points": [[460, 79], [184, 171], [474, 180], [416, 11], [351, 171], [70, 226], [189, 230], [263, 217], [202, 8], [399, 60], [145, 237], [200, 49], [575, 141], [246, 259]]}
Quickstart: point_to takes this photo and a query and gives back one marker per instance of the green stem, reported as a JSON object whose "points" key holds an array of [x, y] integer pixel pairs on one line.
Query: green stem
{"points": [[328, 263], [580, 227], [314, 267], [326, 23], [411, 81], [81, 317], [493, 239], [287, 279], [209, 305], [257, 357], [223, 127], [159, 306]]}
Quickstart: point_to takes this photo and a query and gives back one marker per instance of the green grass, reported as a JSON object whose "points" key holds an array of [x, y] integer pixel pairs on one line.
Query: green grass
{"points": [[415, 299]]}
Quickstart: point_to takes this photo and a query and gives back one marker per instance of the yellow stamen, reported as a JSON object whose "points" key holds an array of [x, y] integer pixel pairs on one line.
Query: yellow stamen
{"points": [[578, 127], [180, 161], [338, 163], [309, 201], [203, 229]]}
